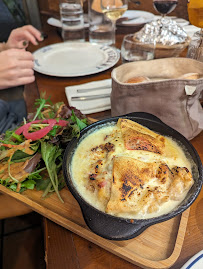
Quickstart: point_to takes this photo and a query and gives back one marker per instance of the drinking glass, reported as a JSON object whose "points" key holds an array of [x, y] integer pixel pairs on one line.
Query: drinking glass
{"points": [[114, 9], [100, 27], [72, 19], [135, 50], [165, 7], [195, 12]]}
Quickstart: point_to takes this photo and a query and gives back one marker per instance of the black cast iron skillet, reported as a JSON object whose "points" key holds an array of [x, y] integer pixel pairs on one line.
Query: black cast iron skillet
{"points": [[116, 228]]}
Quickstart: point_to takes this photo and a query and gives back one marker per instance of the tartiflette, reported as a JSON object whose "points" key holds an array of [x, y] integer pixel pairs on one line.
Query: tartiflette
{"points": [[129, 171]]}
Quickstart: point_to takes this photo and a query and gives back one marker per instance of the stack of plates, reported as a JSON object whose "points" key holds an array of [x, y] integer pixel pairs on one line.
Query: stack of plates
{"points": [[135, 18]]}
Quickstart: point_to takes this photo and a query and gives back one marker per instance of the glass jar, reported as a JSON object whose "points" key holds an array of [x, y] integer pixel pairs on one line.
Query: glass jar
{"points": [[195, 49], [195, 13]]}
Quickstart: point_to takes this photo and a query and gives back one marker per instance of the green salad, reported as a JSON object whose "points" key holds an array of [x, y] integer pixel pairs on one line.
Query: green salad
{"points": [[31, 154]]}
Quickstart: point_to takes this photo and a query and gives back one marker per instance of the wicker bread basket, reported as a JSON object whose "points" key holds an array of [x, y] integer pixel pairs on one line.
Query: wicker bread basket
{"points": [[162, 51]]}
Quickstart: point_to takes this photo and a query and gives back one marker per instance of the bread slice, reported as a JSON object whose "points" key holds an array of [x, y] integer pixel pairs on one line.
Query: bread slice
{"points": [[190, 76], [137, 80]]}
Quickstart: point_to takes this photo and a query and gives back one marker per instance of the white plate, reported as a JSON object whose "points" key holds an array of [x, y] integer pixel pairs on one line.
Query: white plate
{"points": [[196, 262], [71, 59], [57, 23], [181, 21], [191, 29], [141, 17]]}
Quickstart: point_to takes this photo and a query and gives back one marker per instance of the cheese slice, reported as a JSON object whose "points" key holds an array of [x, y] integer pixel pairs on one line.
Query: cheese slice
{"points": [[140, 187], [137, 137], [130, 177]]}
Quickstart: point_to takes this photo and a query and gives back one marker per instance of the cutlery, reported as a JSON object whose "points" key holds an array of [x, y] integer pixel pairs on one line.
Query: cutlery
{"points": [[93, 89], [107, 106], [92, 97]]}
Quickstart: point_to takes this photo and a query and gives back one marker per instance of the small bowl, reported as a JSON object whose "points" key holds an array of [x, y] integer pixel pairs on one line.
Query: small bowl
{"points": [[116, 228], [134, 50], [162, 51]]}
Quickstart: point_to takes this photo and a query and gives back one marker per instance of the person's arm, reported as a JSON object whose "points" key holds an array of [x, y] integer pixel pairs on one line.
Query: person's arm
{"points": [[16, 68], [2, 46], [16, 64], [20, 37]]}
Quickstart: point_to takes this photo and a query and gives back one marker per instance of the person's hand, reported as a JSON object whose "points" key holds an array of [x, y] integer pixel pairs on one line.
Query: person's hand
{"points": [[16, 68], [20, 37]]}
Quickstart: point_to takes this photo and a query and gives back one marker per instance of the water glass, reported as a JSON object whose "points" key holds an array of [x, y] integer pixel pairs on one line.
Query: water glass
{"points": [[101, 29], [72, 19], [134, 50]]}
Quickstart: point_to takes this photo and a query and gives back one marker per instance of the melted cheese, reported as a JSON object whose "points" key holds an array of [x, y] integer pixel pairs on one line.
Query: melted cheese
{"points": [[95, 184]]}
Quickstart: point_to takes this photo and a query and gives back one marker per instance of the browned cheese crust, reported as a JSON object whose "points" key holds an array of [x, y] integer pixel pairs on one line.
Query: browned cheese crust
{"points": [[137, 137], [131, 190]]}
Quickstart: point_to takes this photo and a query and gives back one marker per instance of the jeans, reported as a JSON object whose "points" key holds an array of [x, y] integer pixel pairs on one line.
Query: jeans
{"points": [[11, 114]]}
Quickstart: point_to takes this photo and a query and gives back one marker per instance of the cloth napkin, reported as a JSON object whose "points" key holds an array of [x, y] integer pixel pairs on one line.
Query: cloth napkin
{"points": [[182, 22], [90, 106], [191, 29]]}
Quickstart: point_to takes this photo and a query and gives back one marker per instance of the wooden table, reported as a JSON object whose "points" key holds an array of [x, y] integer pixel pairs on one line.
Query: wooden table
{"points": [[65, 249]]}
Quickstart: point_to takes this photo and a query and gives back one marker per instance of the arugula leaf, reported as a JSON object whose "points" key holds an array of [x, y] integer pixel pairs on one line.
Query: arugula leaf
{"points": [[75, 132], [8, 138], [35, 146], [5, 182], [79, 122], [19, 138], [50, 153], [28, 184], [13, 186], [53, 132], [42, 184], [51, 114], [41, 103], [36, 174], [20, 156], [61, 182]]}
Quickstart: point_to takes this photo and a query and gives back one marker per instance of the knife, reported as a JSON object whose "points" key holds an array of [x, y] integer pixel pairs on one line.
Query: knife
{"points": [[91, 97], [94, 89]]}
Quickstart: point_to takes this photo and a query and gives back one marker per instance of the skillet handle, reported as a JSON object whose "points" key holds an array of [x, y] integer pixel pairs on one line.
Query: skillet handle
{"points": [[110, 227], [144, 115]]}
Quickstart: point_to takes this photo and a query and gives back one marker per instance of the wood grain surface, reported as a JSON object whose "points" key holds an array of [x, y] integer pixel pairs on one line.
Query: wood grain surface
{"points": [[157, 247]]}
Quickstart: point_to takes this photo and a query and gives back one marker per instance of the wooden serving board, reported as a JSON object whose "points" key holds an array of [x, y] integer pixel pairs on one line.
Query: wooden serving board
{"points": [[157, 247]]}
